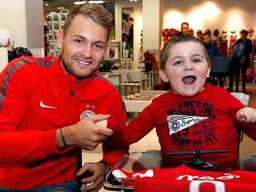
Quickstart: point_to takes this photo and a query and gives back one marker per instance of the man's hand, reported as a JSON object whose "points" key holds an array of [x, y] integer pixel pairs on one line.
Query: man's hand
{"points": [[87, 133], [246, 114], [93, 180]]}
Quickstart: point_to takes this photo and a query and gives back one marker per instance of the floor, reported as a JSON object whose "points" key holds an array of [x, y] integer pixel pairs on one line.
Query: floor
{"points": [[150, 141]]}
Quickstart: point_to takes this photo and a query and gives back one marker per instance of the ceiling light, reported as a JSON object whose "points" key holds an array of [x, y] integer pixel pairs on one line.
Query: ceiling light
{"points": [[79, 2], [96, 1], [83, 2]]}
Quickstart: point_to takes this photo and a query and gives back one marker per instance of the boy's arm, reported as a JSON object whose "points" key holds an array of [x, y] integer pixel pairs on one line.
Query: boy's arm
{"points": [[246, 114], [246, 118]]}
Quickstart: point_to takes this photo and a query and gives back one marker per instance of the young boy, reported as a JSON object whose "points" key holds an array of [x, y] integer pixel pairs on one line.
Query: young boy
{"points": [[193, 115]]}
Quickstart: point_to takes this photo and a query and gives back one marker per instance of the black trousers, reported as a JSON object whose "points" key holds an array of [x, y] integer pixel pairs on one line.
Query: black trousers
{"points": [[235, 73]]}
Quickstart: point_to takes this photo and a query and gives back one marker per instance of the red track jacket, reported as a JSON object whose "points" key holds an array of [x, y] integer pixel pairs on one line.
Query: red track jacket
{"points": [[36, 98]]}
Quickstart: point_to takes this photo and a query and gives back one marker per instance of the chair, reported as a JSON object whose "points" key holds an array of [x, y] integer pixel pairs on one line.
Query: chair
{"points": [[219, 69], [132, 80], [244, 98]]}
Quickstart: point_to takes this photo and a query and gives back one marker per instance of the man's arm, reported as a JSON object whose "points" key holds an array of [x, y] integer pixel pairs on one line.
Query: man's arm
{"points": [[85, 134], [19, 144], [114, 147]]}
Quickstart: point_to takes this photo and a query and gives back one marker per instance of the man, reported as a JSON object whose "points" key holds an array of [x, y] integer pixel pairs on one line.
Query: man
{"points": [[184, 28], [212, 51], [47, 107], [240, 59], [210, 48]]}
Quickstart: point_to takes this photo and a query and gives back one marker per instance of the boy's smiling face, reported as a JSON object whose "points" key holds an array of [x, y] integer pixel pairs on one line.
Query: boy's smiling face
{"points": [[186, 68]]}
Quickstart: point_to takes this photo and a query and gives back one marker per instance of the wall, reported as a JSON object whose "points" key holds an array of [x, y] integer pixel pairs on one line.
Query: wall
{"points": [[24, 18], [35, 23], [3, 58], [151, 25], [12, 14], [223, 15]]}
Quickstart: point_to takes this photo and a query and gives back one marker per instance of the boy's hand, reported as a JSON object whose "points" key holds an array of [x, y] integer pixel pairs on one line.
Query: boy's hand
{"points": [[246, 114]]}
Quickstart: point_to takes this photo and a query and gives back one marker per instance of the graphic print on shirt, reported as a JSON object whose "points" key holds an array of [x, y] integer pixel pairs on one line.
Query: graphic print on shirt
{"points": [[179, 122], [217, 182], [190, 124]]}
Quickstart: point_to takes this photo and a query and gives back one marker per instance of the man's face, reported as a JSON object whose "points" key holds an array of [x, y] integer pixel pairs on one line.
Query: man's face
{"points": [[244, 35], [184, 29], [84, 46], [186, 68], [206, 40]]}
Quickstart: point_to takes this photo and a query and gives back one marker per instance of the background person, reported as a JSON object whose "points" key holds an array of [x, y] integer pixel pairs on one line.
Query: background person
{"points": [[184, 28], [210, 48], [127, 34], [212, 51], [46, 104], [240, 59]]}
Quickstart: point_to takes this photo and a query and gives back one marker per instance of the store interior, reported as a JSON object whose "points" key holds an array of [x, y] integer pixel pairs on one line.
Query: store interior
{"points": [[126, 67], [150, 23], [223, 19]]}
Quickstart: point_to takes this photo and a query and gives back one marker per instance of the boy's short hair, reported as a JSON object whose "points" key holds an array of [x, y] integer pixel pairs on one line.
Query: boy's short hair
{"points": [[95, 12], [179, 39]]}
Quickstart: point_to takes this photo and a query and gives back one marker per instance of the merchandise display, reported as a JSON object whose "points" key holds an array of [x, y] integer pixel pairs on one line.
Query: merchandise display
{"points": [[55, 22], [112, 57]]}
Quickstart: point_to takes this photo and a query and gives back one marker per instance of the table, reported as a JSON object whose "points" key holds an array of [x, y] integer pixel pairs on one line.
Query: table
{"points": [[143, 162], [137, 105]]}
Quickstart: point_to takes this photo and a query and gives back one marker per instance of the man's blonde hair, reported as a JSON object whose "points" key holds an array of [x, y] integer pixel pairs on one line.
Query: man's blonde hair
{"points": [[94, 12]]}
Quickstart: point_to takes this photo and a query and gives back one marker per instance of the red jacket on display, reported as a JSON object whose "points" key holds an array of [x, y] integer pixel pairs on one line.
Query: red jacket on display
{"points": [[205, 121], [184, 179], [36, 98]]}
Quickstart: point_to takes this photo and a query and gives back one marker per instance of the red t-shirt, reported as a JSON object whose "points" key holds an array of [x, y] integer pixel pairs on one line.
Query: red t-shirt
{"points": [[205, 121]]}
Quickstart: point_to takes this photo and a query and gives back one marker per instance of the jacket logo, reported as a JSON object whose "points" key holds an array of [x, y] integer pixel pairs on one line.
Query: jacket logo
{"points": [[86, 113], [179, 122], [46, 106]]}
